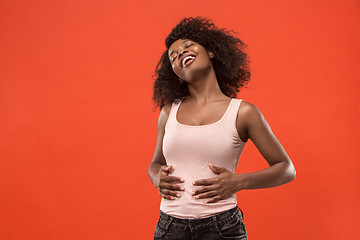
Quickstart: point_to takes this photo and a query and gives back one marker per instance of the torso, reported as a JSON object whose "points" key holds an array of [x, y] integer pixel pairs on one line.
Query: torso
{"points": [[195, 136]]}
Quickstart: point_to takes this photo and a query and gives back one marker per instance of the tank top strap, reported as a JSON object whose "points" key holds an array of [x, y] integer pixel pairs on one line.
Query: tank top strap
{"points": [[232, 111], [173, 111]]}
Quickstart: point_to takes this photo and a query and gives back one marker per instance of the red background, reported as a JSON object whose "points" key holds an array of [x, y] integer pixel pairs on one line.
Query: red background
{"points": [[78, 129]]}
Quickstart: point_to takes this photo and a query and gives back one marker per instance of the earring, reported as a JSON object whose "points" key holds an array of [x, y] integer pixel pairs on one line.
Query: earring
{"points": [[181, 81]]}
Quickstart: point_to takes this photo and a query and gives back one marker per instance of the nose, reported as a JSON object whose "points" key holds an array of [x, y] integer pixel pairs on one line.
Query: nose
{"points": [[182, 53]]}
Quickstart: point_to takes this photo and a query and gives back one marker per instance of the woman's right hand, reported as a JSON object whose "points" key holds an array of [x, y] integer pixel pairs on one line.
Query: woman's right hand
{"points": [[167, 185]]}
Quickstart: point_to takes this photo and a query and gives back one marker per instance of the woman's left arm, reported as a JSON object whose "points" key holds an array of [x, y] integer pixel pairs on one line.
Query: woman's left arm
{"points": [[280, 170]]}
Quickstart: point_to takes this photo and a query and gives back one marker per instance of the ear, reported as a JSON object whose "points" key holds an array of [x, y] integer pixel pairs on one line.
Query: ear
{"points": [[211, 55]]}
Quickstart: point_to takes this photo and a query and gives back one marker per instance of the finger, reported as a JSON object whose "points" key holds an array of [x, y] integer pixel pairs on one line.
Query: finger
{"points": [[215, 169], [167, 197], [205, 182], [172, 179], [170, 193], [165, 185], [205, 189], [214, 200], [206, 195]]}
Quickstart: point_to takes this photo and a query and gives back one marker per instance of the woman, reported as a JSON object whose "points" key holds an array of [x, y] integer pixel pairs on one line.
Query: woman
{"points": [[202, 129]]}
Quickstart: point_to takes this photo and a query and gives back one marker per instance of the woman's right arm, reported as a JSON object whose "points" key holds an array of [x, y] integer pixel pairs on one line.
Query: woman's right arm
{"points": [[158, 170]]}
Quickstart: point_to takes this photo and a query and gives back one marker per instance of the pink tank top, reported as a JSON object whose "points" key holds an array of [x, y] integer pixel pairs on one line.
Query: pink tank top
{"points": [[190, 149]]}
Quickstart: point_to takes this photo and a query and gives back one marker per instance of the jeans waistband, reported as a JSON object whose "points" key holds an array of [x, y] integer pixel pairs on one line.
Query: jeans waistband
{"points": [[218, 217]]}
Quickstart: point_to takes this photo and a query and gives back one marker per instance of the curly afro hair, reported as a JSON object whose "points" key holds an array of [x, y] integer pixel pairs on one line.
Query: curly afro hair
{"points": [[230, 61]]}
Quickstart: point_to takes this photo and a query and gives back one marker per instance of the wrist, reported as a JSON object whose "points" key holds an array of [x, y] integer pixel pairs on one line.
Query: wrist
{"points": [[241, 182]]}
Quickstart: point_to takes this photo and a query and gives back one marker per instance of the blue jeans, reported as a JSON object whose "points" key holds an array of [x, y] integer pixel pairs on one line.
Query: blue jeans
{"points": [[225, 225]]}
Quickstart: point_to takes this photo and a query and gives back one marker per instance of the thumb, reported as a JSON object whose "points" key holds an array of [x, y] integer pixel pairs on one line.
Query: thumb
{"points": [[216, 170], [168, 168]]}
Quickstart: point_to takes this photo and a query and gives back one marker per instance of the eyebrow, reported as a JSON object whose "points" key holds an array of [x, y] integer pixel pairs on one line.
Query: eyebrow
{"points": [[181, 44]]}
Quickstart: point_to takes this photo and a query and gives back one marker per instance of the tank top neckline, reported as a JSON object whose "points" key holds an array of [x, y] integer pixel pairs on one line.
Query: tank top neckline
{"points": [[205, 125]]}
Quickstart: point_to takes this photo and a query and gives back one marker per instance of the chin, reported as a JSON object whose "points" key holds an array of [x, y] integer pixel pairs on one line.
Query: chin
{"points": [[196, 72]]}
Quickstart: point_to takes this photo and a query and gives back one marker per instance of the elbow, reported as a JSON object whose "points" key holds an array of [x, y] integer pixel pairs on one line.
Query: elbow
{"points": [[291, 173], [149, 170], [288, 172]]}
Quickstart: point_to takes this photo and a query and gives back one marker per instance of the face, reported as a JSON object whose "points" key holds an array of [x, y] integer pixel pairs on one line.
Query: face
{"points": [[189, 59]]}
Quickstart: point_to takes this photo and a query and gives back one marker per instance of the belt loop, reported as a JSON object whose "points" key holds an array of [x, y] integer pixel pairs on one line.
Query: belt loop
{"points": [[215, 222], [242, 214]]}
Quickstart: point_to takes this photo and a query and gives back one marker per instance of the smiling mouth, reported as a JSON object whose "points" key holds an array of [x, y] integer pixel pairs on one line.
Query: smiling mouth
{"points": [[188, 60]]}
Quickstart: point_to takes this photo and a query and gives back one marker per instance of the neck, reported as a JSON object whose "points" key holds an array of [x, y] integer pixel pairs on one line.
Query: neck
{"points": [[205, 88]]}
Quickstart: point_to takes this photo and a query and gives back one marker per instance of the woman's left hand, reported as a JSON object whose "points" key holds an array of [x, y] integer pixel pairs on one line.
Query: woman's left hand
{"points": [[217, 188]]}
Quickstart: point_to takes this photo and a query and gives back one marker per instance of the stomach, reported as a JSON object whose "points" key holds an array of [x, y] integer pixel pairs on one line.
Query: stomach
{"points": [[187, 206]]}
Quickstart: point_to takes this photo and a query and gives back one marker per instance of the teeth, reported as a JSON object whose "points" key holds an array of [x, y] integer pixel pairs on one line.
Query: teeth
{"points": [[188, 57]]}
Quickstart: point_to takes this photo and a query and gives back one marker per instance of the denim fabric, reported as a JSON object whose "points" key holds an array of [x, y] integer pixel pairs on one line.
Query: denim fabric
{"points": [[225, 225]]}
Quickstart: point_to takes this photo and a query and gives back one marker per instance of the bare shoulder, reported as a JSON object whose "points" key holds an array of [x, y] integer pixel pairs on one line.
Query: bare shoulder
{"points": [[166, 108], [248, 111], [248, 115], [164, 114]]}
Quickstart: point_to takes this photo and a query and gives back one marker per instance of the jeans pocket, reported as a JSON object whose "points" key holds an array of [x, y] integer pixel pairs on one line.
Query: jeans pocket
{"points": [[232, 228], [161, 228]]}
